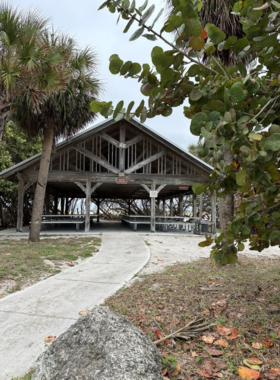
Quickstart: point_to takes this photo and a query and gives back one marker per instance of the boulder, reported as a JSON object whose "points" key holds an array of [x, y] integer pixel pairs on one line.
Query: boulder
{"points": [[101, 345]]}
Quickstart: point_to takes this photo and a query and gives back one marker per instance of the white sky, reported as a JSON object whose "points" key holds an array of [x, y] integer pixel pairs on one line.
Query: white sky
{"points": [[98, 29]]}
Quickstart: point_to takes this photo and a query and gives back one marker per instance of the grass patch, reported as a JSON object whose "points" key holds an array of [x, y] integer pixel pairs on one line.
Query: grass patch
{"points": [[23, 263], [26, 377], [245, 301]]}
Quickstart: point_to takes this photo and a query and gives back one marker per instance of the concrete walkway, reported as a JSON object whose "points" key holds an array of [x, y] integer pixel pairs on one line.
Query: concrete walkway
{"points": [[51, 306]]}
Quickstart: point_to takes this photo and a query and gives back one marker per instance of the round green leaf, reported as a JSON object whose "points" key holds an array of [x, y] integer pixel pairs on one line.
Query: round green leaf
{"points": [[229, 42], [115, 65], [198, 121], [195, 94], [273, 142], [241, 177], [237, 94], [210, 48], [193, 27], [197, 43]]}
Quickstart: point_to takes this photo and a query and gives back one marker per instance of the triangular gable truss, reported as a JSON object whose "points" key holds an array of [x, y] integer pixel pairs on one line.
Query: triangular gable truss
{"points": [[122, 150]]}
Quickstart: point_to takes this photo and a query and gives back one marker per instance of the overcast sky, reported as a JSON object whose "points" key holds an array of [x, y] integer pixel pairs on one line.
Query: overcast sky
{"points": [[98, 29]]}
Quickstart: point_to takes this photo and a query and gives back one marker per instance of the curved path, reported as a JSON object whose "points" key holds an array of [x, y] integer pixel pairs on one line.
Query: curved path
{"points": [[52, 305]]}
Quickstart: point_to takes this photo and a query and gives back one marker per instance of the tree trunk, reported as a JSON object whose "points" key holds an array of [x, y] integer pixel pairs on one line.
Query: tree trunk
{"points": [[228, 202], [38, 204]]}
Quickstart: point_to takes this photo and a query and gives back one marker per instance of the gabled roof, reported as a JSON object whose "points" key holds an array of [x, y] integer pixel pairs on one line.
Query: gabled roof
{"points": [[95, 129]]}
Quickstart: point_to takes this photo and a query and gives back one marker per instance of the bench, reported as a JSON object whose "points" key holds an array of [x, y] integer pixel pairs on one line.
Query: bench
{"points": [[51, 223], [78, 220], [162, 222]]}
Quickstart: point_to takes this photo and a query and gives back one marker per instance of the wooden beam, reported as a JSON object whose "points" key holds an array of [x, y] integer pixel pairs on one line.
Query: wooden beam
{"points": [[194, 206], [95, 187], [122, 149], [160, 188], [20, 205], [181, 196], [153, 210], [146, 188], [137, 178], [110, 139], [135, 140], [88, 202], [145, 162], [97, 159], [213, 212], [200, 205], [81, 186]]}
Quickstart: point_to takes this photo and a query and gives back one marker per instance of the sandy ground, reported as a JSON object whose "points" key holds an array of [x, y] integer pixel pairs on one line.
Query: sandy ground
{"points": [[169, 250]]}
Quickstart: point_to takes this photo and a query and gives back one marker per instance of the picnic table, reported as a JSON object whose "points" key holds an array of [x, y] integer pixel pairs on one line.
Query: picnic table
{"points": [[58, 220], [162, 222]]}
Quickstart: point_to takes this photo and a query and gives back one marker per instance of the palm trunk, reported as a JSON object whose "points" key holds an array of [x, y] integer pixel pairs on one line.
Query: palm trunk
{"points": [[228, 202], [38, 204]]}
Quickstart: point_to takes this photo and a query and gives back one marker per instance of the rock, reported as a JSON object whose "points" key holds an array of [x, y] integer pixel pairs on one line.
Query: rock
{"points": [[101, 345]]}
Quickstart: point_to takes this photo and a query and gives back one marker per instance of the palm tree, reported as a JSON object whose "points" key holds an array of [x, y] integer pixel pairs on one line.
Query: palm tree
{"points": [[27, 65], [62, 113]]}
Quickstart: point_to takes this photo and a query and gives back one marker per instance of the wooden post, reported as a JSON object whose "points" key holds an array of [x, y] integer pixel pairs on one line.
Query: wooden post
{"points": [[181, 204], [163, 206], [194, 206], [122, 150], [62, 205], [88, 201], [213, 212], [171, 206], [47, 201], [55, 203], [200, 205], [66, 206], [129, 206], [153, 210], [98, 209], [20, 205]]}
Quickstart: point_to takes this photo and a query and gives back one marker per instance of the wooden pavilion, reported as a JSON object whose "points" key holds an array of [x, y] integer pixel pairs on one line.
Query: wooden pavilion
{"points": [[114, 160]]}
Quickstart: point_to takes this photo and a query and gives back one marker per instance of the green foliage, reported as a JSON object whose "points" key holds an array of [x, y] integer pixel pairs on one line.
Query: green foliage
{"points": [[233, 107], [15, 148]]}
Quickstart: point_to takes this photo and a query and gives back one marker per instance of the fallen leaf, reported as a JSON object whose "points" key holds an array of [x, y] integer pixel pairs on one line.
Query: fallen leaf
{"points": [[234, 333], [219, 303], [222, 330], [221, 342], [70, 264], [194, 354], [164, 371], [2, 297], [215, 352], [168, 342], [204, 373], [257, 345], [49, 339], [158, 334], [248, 373], [159, 260], [176, 370], [160, 319], [212, 282], [208, 339], [206, 312], [83, 312], [268, 342], [275, 371], [254, 360], [253, 366]]}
